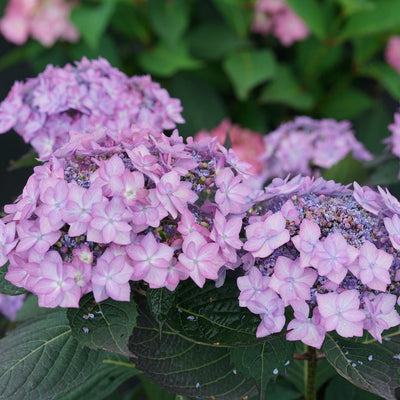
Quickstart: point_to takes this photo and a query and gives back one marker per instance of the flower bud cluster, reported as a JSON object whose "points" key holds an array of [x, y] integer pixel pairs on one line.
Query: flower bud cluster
{"points": [[112, 207], [329, 253], [44, 20], [84, 97], [277, 18], [303, 145]]}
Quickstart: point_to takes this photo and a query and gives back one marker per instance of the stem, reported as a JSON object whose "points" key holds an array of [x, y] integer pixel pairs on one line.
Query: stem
{"points": [[311, 377]]}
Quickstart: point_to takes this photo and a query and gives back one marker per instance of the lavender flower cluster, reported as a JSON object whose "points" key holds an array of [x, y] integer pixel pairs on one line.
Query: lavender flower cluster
{"points": [[304, 145], [128, 203], [83, 98]]}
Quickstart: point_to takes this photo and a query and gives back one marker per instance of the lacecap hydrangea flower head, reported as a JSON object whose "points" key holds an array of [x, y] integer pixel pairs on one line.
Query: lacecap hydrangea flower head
{"points": [[83, 97], [329, 253], [120, 206], [305, 145]]}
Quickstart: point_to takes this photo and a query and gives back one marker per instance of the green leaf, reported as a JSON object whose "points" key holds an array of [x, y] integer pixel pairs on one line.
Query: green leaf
{"points": [[7, 287], [237, 13], [164, 60], [29, 159], [161, 303], [223, 40], [19, 54], [211, 315], [366, 47], [354, 6], [185, 367], [169, 19], [248, 69], [203, 111], [264, 361], [41, 360], [154, 392], [346, 171], [339, 388], [106, 325], [311, 12], [346, 104], [30, 309], [385, 174], [382, 17], [92, 21], [286, 90], [386, 76], [368, 364]]}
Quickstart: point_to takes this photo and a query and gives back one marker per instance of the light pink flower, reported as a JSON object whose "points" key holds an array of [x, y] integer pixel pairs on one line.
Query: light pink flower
{"points": [[291, 281], [151, 260], [10, 305], [306, 240], [266, 236], [392, 52], [393, 227], [7, 240], [372, 266], [110, 277], [201, 259], [289, 27], [341, 312], [304, 328]]}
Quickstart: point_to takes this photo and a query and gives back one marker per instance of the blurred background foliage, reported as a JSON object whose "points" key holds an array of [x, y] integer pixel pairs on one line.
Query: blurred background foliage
{"points": [[205, 53]]}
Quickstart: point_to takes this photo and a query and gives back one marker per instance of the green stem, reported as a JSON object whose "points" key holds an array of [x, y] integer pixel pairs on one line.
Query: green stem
{"points": [[311, 379]]}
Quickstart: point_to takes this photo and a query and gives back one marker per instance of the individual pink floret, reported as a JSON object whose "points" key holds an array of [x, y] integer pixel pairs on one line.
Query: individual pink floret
{"points": [[232, 195], [332, 256], [291, 281], [289, 27], [174, 194], [7, 240], [305, 328], [393, 227], [380, 314], [341, 312], [151, 260], [266, 236], [201, 259], [110, 223], [110, 277], [56, 286], [372, 267], [306, 240], [272, 315], [251, 286], [226, 234]]}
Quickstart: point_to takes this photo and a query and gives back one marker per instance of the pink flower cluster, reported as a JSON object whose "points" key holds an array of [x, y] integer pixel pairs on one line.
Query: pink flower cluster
{"points": [[394, 140], [84, 97], [247, 144], [303, 145], [329, 253], [10, 305], [121, 206], [277, 18], [392, 53], [45, 20]]}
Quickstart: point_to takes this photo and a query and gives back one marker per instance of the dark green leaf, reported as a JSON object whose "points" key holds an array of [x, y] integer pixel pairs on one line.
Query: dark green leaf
{"points": [[106, 325], [369, 364], [382, 17], [237, 13], [354, 6], [26, 52], [203, 111], [346, 171], [386, 76], [154, 392], [165, 60], [161, 303], [263, 362], [212, 41], [248, 69], [311, 12], [92, 21], [385, 174], [41, 360], [286, 90], [30, 309], [366, 47], [339, 388], [7, 287], [185, 367], [212, 315], [347, 103], [168, 19], [29, 159]]}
